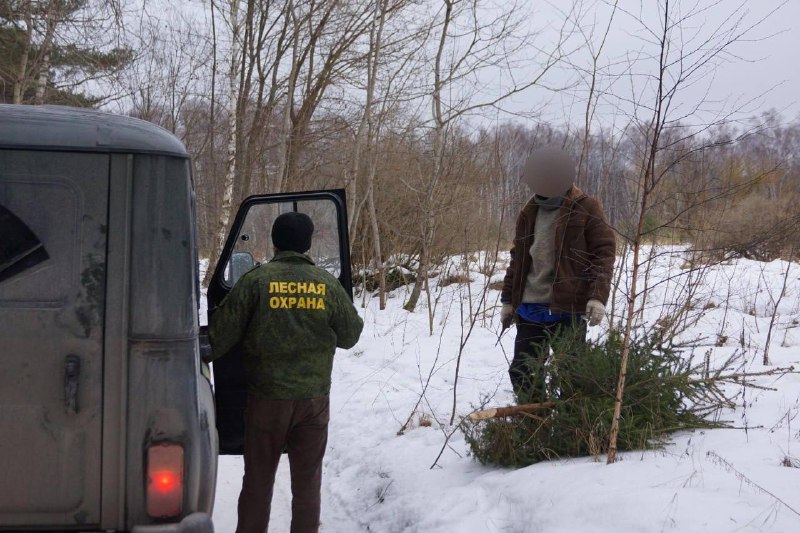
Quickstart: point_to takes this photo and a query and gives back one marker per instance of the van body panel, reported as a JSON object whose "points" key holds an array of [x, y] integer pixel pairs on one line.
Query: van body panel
{"points": [[163, 303], [52, 127], [115, 398], [177, 413], [162, 338], [194, 523], [52, 331], [114, 281]]}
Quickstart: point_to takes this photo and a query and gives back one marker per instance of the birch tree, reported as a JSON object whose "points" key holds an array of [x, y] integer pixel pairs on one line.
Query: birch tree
{"points": [[680, 58], [228, 182]]}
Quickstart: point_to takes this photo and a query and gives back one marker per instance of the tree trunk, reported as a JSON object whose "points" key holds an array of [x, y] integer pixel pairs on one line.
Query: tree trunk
{"points": [[366, 141], [230, 171], [51, 18], [376, 243], [22, 72], [285, 144], [428, 224], [41, 84]]}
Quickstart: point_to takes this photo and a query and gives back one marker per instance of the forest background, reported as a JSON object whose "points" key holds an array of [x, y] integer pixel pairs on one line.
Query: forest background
{"points": [[425, 110]]}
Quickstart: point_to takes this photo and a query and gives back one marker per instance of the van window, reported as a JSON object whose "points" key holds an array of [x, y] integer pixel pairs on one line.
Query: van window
{"points": [[162, 249], [254, 241], [20, 249]]}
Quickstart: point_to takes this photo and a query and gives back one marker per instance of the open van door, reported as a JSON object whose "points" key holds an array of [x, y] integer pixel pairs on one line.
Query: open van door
{"points": [[249, 244]]}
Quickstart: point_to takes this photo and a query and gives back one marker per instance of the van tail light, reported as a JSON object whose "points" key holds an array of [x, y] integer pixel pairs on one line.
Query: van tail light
{"points": [[164, 480]]}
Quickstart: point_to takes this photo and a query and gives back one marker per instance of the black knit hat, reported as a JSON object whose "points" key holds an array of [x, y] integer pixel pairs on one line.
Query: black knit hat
{"points": [[292, 232]]}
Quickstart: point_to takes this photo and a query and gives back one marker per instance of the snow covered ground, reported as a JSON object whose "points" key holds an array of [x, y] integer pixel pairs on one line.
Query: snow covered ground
{"points": [[710, 481]]}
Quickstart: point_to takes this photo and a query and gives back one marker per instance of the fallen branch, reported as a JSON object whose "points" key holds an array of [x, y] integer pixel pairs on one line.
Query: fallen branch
{"points": [[497, 412]]}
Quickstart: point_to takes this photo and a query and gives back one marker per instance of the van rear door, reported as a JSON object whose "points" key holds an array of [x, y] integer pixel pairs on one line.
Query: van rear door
{"points": [[53, 225], [249, 244]]}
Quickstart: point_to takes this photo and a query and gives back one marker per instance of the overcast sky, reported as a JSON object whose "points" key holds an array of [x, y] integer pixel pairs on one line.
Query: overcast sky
{"points": [[771, 64], [761, 73]]}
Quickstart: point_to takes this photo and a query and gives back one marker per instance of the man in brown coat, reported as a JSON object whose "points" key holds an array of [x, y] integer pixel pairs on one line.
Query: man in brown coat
{"points": [[560, 270]]}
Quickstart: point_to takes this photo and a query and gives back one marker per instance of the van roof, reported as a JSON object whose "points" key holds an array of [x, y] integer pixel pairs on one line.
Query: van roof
{"points": [[60, 128]]}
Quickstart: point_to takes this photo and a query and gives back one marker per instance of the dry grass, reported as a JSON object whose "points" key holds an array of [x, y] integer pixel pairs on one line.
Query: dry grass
{"points": [[496, 286], [756, 228], [455, 279], [424, 420], [790, 462]]}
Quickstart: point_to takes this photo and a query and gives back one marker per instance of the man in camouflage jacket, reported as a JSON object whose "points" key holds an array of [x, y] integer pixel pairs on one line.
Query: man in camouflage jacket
{"points": [[289, 316]]}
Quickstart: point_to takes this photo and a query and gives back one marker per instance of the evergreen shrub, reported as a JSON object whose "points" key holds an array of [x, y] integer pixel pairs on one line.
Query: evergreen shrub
{"points": [[664, 393]]}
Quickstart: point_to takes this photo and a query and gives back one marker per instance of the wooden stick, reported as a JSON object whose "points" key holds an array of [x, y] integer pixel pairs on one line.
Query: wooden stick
{"points": [[497, 412]]}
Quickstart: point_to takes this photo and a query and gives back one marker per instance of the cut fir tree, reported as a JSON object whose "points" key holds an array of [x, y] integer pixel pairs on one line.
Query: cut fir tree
{"points": [[664, 393]]}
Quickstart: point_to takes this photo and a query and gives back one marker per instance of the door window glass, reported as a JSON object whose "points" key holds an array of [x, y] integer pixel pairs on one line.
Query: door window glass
{"points": [[41, 267], [20, 249], [49, 207], [254, 241]]}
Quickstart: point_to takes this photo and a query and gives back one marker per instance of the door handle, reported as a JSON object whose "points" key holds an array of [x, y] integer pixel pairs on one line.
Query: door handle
{"points": [[72, 372]]}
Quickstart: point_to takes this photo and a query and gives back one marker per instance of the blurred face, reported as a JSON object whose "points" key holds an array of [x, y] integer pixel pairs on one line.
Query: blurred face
{"points": [[549, 172]]}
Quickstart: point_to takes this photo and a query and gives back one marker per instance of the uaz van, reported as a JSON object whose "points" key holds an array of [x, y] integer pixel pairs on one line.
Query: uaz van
{"points": [[107, 418]]}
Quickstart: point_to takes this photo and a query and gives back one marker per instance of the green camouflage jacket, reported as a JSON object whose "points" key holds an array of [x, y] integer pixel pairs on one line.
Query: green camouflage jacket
{"points": [[290, 317]]}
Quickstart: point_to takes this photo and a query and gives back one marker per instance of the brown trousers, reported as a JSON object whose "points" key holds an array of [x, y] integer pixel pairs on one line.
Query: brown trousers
{"points": [[301, 426]]}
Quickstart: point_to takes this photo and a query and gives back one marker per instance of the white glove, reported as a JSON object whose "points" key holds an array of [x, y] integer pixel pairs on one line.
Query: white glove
{"points": [[595, 312], [506, 315]]}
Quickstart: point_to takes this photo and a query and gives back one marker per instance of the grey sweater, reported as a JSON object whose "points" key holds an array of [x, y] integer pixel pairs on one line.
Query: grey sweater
{"points": [[539, 282]]}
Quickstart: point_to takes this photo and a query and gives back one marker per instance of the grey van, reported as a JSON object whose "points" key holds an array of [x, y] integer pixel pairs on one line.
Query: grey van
{"points": [[107, 419]]}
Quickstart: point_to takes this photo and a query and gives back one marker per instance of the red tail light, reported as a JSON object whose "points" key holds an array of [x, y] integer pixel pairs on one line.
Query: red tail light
{"points": [[164, 480]]}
